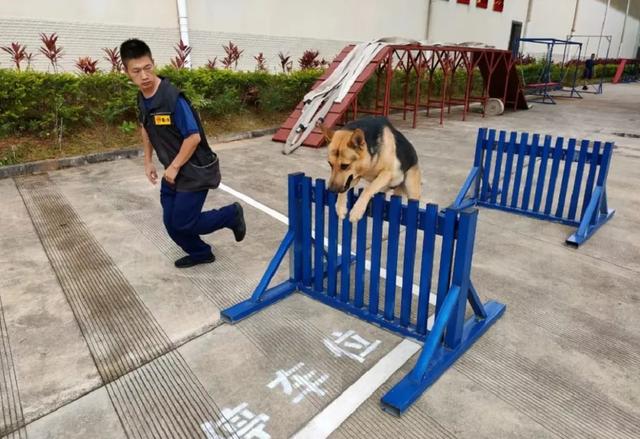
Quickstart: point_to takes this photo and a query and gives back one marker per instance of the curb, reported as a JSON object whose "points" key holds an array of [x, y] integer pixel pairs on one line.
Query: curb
{"points": [[70, 162]]}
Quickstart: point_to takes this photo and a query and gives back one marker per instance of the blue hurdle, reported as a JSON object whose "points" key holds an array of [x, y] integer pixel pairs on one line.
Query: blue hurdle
{"points": [[338, 279], [489, 182]]}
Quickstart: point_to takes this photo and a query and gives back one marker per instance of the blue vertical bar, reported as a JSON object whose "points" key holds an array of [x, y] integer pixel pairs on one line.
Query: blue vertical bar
{"points": [[429, 219], [593, 166], [531, 168], [376, 250], [461, 275], [507, 168], [604, 164], [393, 242], [557, 156], [542, 173], [568, 162], [332, 255], [495, 186], [582, 158], [489, 146], [522, 150], [306, 231], [408, 264], [446, 256], [477, 160], [294, 202], [361, 254], [345, 267], [318, 259]]}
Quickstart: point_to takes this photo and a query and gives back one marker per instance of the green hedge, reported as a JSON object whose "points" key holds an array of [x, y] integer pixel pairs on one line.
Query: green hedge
{"points": [[532, 73], [37, 102]]}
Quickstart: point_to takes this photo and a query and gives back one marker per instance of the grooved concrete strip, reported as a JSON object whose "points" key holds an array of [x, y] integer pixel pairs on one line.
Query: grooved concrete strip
{"points": [[10, 403], [120, 332]]}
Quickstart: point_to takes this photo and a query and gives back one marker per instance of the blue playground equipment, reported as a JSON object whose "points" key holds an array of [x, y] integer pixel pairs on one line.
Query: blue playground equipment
{"points": [[497, 160], [337, 277], [546, 84]]}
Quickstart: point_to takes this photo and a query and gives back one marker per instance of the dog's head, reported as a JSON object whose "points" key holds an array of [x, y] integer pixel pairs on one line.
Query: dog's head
{"points": [[347, 156]]}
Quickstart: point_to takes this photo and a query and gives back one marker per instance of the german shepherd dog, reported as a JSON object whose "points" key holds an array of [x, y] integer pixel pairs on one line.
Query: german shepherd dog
{"points": [[371, 149]]}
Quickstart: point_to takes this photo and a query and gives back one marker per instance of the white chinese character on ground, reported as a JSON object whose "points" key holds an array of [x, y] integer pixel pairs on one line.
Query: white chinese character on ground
{"points": [[353, 346], [305, 383], [240, 421]]}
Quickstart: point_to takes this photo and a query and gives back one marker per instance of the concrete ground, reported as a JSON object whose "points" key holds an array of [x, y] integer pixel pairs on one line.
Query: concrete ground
{"points": [[101, 337]]}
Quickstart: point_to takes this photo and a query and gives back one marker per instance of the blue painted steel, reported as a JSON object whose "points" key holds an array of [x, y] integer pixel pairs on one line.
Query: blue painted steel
{"points": [[557, 155], [522, 150], [565, 177], [411, 234], [573, 207], [542, 174], [332, 255], [531, 168], [392, 257], [306, 230], [429, 222], [318, 260], [495, 186], [361, 253], [592, 214], [507, 169], [488, 154], [345, 271], [456, 229], [446, 256], [376, 250]]}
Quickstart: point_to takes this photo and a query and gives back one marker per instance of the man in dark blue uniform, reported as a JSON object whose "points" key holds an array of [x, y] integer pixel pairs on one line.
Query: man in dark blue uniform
{"points": [[173, 129]]}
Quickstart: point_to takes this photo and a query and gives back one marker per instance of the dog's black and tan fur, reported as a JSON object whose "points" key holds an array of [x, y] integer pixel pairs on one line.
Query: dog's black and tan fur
{"points": [[373, 150]]}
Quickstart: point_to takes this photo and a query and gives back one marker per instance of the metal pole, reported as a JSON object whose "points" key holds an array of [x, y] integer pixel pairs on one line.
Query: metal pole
{"points": [[624, 25], [604, 20], [183, 23]]}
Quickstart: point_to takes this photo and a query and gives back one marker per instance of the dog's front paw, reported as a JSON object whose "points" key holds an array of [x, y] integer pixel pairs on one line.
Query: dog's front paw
{"points": [[357, 212], [341, 211]]}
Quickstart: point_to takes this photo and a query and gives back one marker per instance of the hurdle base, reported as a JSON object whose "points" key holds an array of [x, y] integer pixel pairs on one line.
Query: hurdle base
{"points": [[248, 307], [575, 240], [397, 400]]}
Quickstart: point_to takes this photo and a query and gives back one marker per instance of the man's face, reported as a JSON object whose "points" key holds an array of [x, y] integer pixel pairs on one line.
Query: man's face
{"points": [[141, 72]]}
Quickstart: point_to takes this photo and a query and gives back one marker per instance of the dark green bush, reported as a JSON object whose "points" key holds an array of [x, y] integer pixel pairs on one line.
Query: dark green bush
{"points": [[37, 102]]}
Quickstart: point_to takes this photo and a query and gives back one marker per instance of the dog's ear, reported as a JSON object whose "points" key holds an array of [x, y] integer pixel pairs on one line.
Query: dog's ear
{"points": [[327, 132], [357, 139]]}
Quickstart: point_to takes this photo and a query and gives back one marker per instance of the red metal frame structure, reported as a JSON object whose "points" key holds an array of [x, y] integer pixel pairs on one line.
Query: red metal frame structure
{"points": [[417, 62]]}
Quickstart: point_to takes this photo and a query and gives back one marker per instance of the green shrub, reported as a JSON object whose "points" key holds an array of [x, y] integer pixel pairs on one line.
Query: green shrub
{"points": [[39, 103]]}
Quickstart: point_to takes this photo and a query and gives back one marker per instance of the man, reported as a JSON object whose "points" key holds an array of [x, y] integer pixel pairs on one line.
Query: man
{"points": [[173, 129], [588, 70]]}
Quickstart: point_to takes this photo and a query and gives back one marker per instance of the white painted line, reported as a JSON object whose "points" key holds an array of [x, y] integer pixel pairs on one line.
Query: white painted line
{"points": [[258, 205], [329, 419], [284, 219]]}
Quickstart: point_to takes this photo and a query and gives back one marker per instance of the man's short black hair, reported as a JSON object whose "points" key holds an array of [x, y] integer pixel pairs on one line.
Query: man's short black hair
{"points": [[132, 49]]}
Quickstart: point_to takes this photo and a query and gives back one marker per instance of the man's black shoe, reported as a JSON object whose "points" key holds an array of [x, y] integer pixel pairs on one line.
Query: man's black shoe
{"points": [[188, 261], [240, 229]]}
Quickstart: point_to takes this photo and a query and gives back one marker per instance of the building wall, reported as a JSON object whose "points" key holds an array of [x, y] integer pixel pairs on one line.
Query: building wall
{"points": [[292, 26]]}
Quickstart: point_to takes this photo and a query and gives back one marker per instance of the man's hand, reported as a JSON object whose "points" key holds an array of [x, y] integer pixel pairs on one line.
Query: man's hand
{"points": [[151, 173], [171, 173]]}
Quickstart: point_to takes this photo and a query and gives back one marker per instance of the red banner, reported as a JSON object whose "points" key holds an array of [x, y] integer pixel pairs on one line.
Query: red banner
{"points": [[464, 2], [498, 5], [482, 4]]}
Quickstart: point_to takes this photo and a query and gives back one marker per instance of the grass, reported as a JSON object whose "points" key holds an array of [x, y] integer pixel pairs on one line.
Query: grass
{"points": [[20, 149]]}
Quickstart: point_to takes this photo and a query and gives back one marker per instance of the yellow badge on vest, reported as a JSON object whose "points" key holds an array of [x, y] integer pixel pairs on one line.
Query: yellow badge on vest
{"points": [[162, 119]]}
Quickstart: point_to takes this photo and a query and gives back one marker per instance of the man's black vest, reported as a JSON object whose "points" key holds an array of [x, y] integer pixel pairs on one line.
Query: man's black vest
{"points": [[202, 171]]}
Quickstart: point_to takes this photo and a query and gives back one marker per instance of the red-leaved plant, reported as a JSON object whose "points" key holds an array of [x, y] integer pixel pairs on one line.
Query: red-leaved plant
{"points": [[309, 60], [183, 50], [51, 49], [233, 55], [211, 64], [87, 65], [113, 56], [285, 62], [261, 62], [18, 53]]}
